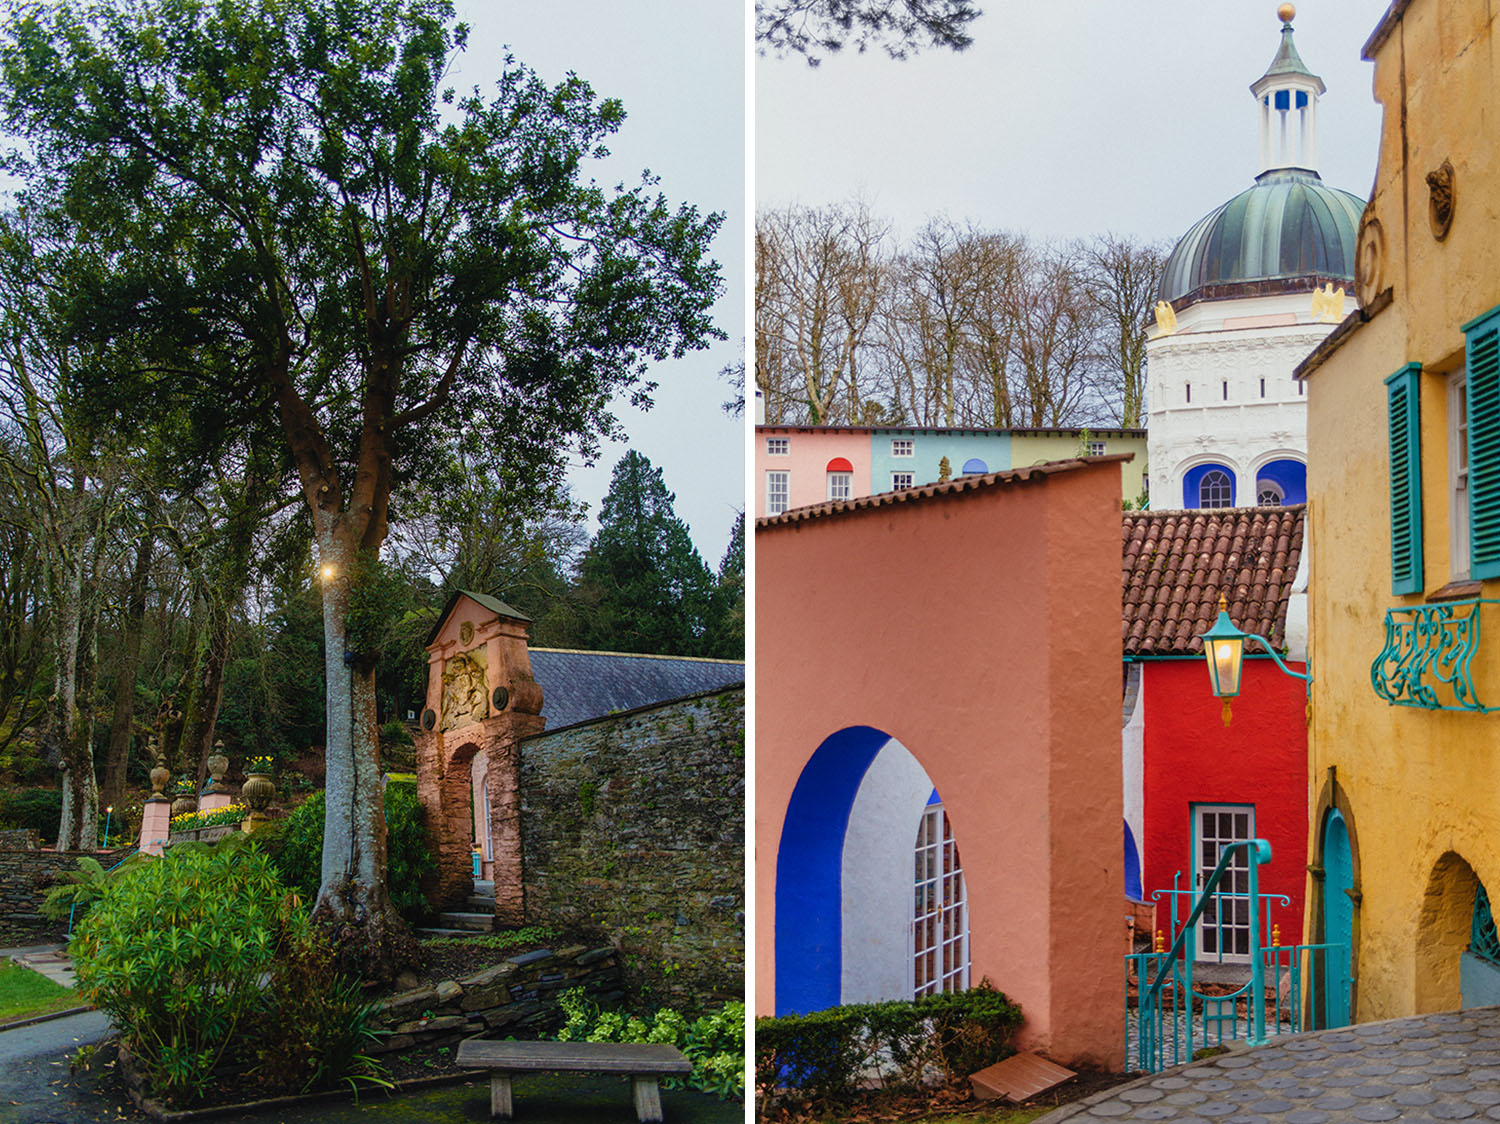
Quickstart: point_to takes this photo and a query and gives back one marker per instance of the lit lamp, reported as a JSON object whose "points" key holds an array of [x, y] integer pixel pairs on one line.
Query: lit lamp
{"points": [[1224, 648], [109, 810]]}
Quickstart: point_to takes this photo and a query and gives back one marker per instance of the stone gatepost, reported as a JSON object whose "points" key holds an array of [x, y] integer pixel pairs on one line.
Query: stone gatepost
{"points": [[481, 700]]}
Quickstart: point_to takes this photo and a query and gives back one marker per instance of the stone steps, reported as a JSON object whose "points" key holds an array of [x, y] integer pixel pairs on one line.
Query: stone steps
{"points": [[426, 934], [481, 904], [475, 922]]}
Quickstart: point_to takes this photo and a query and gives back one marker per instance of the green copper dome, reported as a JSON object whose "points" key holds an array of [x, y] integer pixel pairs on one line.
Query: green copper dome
{"points": [[1289, 226]]}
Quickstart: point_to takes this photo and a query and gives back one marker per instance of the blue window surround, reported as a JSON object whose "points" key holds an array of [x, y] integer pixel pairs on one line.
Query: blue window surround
{"points": [[1403, 401], [1192, 483], [1289, 475]]}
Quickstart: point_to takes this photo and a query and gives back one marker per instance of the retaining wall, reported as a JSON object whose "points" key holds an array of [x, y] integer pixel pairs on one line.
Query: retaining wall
{"points": [[27, 875]]}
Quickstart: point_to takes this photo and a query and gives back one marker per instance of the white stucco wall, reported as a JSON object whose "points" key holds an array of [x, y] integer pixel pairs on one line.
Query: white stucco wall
{"points": [[1235, 342], [877, 877], [1133, 737]]}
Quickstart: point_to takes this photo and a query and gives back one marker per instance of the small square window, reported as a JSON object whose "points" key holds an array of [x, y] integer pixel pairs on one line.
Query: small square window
{"points": [[900, 481], [778, 490], [778, 446], [903, 447], [1095, 449]]}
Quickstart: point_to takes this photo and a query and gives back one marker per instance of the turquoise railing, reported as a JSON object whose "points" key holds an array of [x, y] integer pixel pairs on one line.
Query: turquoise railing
{"points": [[1308, 984], [1427, 657]]}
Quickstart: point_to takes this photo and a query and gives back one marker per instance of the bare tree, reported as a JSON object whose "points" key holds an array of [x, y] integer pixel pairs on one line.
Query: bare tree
{"points": [[1123, 276], [899, 27]]}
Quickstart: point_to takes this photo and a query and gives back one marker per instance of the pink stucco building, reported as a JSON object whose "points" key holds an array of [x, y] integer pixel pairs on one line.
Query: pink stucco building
{"points": [[938, 679]]}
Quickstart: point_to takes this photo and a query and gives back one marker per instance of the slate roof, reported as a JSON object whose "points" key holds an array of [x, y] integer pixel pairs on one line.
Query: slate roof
{"points": [[581, 686], [493, 604], [1176, 563], [1034, 473]]}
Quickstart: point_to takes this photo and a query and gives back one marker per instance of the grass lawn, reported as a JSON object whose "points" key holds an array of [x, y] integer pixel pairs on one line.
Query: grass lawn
{"points": [[24, 993]]}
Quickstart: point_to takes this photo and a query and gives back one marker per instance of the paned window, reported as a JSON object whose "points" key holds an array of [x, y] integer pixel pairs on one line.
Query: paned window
{"points": [[1095, 449], [1215, 490], [1482, 357], [1404, 419], [778, 446], [1224, 930], [900, 481], [778, 490], [840, 485], [1268, 493], [940, 913], [903, 447]]}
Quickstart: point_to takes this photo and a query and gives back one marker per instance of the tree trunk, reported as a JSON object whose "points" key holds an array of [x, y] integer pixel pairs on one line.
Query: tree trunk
{"points": [[352, 899], [78, 826], [117, 756], [208, 694]]}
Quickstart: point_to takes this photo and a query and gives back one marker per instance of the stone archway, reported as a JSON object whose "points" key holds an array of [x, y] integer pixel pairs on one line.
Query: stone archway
{"points": [[481, 701], [1443, 928]]}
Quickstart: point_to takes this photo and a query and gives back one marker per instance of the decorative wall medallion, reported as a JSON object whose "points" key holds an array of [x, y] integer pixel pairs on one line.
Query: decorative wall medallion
{"points": [[1440, 200], [429, 718], [500, 698], [466, 633], [465, 698], [1369, 259]]}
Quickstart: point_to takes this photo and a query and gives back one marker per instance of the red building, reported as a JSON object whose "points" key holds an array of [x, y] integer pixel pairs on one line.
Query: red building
{"points": [[1193, 783]]}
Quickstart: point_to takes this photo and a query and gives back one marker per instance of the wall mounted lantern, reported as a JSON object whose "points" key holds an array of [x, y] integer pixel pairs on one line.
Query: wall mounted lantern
{"points": [[1224, 648]]}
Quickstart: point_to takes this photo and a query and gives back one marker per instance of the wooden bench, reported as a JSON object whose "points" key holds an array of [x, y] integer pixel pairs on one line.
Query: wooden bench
{"points": [[643, 1063]]}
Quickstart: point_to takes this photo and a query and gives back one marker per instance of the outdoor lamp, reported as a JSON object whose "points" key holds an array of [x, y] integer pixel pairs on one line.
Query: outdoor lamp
{"points": [[1224, 648], [328, 571]]}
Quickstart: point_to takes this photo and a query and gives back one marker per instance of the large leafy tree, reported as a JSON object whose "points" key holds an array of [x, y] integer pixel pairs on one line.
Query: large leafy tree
{"points": [[378, 265], [645, 585]]}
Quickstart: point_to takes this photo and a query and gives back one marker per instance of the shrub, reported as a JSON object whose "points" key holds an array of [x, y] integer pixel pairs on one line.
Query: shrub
{"points": [[202, 958], [831, 1053], [84, 886], [714, 1043], [40, 808], [299, 854]]}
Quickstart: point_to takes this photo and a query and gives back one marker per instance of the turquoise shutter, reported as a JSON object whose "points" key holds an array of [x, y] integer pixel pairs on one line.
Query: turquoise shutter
{"points": [[1482, 354], [1403, 400]]}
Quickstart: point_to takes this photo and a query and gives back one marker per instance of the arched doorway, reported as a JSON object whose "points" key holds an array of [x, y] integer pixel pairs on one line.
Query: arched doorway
{"points": [[1338, 909], [869, 887], [1443, 929]]}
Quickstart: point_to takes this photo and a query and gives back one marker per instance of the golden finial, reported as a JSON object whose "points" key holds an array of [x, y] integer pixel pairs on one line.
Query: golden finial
{"points": [[1286, 13], [1161, 941]]}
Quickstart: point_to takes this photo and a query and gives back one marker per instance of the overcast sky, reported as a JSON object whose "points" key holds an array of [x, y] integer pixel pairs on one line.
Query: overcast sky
{"points": [[1066, 118], [679, 68]]}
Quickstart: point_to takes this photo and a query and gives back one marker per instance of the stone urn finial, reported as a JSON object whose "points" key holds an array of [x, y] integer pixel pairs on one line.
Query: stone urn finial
{"points": [[218, 765], [258, 790], [160, 775]]}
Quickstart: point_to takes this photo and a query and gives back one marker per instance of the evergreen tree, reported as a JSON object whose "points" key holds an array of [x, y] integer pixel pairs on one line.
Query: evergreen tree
{"points": [[645, 586], [728, 633]]}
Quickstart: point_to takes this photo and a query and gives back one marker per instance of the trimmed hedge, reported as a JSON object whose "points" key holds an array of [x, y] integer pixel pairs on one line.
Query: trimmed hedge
{"points": [[835, 1053]]}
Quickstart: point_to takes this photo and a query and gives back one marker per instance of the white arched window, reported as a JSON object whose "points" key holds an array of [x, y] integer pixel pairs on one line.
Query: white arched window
{"points": [[1215, 489], [1268, 493], [940, 909]]}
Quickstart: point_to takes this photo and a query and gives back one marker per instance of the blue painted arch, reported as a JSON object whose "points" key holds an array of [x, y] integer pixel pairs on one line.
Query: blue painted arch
{"points": [[1192, 483], [809, 870], [975, 467], [1132, 867], [1287, 474]]}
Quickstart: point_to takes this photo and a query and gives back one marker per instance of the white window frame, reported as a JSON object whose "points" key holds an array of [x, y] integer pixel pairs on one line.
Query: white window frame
{"points": [[774, 493], [840, 486], [1275, 490], [903, 447], [778, 446], [1458, 475], [939, 932], [1094, 449], [901, 481], [1208, 839], [1228, 485]]}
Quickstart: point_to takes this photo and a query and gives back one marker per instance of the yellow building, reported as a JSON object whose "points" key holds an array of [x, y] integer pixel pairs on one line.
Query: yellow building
{"points": [[1404, 490]]}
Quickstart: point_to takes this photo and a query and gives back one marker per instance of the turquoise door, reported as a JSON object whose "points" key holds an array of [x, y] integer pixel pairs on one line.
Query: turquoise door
{"points": [[1338, 916]]}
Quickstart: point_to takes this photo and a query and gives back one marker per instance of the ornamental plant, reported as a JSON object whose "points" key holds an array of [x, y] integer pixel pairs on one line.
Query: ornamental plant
{"points": [[261, 763], [229, 814]]}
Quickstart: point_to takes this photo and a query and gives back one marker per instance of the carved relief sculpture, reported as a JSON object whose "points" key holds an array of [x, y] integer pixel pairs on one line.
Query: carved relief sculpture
{"points": [[1369, 259], [1328, 304], [1440, 200], [466, 695], [1166, 318]]}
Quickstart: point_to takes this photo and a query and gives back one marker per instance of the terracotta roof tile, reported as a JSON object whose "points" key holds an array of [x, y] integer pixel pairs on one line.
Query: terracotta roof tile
{"points": [[1034, 473], [1175, 564]]}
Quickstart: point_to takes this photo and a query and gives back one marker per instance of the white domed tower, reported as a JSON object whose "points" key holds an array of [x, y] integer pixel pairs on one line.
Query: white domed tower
{"points": [[1246, 294]]}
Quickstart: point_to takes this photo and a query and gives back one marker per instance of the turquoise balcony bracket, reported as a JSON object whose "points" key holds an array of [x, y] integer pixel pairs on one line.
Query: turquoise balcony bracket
{"points": [[1427, 657]]}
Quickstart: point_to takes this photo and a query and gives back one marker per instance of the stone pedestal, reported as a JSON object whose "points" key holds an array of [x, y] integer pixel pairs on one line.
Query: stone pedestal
{"points": [[213, 801], [156, 825]]}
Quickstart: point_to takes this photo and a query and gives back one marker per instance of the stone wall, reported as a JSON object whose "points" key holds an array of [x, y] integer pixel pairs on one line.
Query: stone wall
{"points": [[27, 875], [634, 825], [513, 998]]}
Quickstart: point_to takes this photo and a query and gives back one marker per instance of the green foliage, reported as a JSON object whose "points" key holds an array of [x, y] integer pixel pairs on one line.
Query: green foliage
{"points": [[642, 582], [395, 732], [84, 886], [299, 850], [828, 1054], [714, 1043], [529, 936], [177, 952], [40, 808], [229, 814], [379, 598]]}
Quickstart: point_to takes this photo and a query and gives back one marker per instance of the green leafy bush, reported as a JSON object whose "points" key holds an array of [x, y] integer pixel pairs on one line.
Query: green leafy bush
{"points": [[831, 1054], [84, 886], [201, 958], [299, 853], [40, 808], [714, 1043]]}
